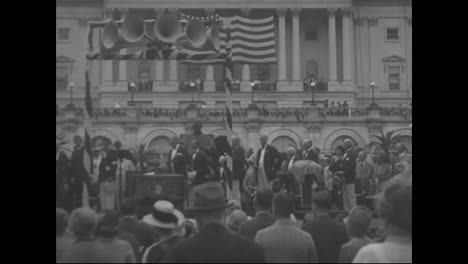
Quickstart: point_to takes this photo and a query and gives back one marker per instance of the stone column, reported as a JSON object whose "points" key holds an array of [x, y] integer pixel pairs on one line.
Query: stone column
{"points": [[332, 75], [122, 84], [283, 84], [373, 63], [245, 83], [107, 65], [346, 46], [173, 66], [209, 85], [296, 83]]}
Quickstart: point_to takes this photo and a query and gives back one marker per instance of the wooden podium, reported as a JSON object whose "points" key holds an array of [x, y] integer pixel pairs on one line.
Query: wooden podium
{"points": [[171, 186]]}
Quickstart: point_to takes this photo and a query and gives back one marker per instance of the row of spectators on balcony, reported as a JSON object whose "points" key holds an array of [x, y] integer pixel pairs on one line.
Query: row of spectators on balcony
{"points": [[192, 85], [143, 85]]}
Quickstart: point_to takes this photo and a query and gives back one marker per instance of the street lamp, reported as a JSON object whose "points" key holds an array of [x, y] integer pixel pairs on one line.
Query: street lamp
{"points": [[312, 87], [192, 85], [132, 90], [372, 85], [71, 86]]}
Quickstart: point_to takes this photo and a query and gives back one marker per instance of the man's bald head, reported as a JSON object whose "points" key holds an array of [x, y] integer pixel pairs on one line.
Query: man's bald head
{"points": [[348, 143], [263, 140]]}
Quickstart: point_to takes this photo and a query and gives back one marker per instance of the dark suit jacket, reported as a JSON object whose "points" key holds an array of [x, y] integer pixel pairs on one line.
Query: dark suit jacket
{"points": [[349, 167], [77, 170], [239, 164], [215, 244], [249, 228], [200, 165], [107, 168], [311, 155], [140, 230], [182, 150], [271, 161], [61, 166], [329, 236]]}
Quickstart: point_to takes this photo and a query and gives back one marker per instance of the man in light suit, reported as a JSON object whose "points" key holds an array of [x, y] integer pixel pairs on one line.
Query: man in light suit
{"points": [[268, 163]]}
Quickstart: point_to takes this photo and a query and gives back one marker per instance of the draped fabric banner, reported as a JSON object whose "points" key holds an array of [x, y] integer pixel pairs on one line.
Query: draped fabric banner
{"points": [[252, 42]]}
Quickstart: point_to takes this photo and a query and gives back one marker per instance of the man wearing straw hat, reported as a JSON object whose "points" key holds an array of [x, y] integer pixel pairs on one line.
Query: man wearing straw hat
{"points": [[168, 224], [214, 242]]}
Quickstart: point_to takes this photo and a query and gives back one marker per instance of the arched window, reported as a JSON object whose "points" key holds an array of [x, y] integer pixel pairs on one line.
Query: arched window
{"points": [[100, 143], [282, 143], [159, 148], [339, 141]]}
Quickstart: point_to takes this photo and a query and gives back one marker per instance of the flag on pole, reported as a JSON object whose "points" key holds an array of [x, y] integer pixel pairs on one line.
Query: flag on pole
{"points": [[87, 157]]}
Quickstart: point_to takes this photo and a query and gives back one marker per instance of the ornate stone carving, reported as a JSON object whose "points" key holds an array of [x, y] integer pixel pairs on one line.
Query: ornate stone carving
{"points": [[252, 127], [314, 127], [374, 127], [130, 128], [282, 11]]}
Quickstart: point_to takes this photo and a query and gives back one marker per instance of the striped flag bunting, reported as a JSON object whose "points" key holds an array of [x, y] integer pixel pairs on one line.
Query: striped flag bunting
{"points": [[228, 69], [252, 42]]}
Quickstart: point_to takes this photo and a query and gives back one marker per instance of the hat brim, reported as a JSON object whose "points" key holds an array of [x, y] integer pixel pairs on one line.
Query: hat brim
{"points": [[209, 208], [150, 220]]}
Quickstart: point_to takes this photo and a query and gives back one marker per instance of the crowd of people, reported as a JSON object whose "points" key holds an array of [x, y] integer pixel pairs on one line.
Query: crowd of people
{"points": [[114, 228]]}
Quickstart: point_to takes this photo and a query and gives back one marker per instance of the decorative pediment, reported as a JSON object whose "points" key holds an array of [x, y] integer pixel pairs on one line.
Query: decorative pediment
{"points": [[64, 59], [393, 58]]}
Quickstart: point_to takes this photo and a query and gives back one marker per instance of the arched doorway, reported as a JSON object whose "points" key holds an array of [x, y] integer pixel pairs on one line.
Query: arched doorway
{"points": [[159, 149], [282, 143], [339, 141]]}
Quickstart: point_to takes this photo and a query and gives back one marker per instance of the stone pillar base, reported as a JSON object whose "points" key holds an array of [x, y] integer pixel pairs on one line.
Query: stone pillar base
{"points": [[296, 86], [209, 86]]}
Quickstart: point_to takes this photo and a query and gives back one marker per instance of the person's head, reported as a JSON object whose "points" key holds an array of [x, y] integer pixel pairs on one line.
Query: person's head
{"points": [[348, 144], [108, 222], [195, 144], [235, 141], [263, 140], [61, 221], [316, 150], [362, 156], [321, 201], [263, 200], [175, 140], [83, 222], [394, 206], [77, 140], [236, 218], [358, 221], [307, 144], [128, 207], [339, 150], [283, 205], [117, 144], [165, 220], [291, 152], [309, 217]]}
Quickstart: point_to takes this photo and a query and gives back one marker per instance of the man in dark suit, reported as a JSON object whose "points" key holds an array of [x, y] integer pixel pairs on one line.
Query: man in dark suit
{"points": [[78, 173], [308, 152], [199, 164], [214, 243], [239, 164], [349, 169], [268, 163], [178, 147], [263, 217], [328, 234], [61, 165]]}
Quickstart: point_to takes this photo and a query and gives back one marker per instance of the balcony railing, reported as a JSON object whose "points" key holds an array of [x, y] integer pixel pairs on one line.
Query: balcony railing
{"points": [[283, 114]]}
